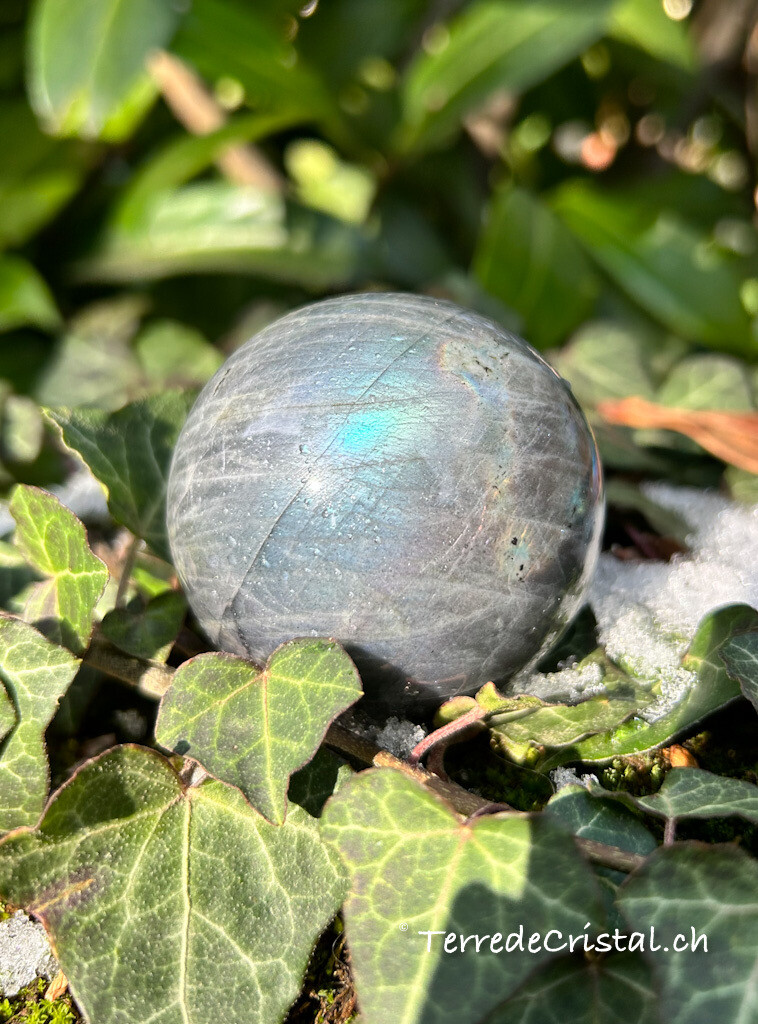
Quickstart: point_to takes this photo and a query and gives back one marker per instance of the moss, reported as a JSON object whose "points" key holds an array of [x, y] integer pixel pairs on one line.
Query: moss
{"points": [[31, 1007]]}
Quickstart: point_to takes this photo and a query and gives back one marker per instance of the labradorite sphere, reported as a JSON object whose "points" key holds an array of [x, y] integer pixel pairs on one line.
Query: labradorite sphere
{"points": [[397, 473]]}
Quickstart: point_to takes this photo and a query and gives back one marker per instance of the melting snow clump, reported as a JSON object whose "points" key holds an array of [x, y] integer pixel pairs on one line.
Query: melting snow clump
{"points": [[400, 737], [569, 685], [397, 735], [562, 777]]}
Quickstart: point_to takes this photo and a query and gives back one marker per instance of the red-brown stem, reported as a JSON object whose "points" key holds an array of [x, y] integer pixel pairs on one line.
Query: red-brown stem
{"points": [[447, 734]]}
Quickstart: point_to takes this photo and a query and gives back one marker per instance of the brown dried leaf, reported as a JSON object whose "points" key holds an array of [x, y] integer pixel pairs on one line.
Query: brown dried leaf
{"points": [[730, 436]]}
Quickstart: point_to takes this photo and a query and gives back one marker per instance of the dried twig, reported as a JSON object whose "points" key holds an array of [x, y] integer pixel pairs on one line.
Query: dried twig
{"points": [[195, 108]]}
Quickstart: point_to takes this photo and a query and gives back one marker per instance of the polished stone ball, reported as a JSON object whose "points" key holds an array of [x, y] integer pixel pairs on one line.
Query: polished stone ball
{"points": [[395, 472]]}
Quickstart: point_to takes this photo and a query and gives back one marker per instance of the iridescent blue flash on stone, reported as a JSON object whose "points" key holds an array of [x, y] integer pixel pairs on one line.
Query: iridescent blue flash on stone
{"points": [[395, 472]]}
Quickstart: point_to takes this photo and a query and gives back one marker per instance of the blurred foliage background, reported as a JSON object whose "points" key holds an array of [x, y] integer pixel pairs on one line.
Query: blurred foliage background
{"points": [[176, 173]]}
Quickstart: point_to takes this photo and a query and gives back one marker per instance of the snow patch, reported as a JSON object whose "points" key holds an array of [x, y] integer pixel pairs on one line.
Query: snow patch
{"points": [[648, 612]]}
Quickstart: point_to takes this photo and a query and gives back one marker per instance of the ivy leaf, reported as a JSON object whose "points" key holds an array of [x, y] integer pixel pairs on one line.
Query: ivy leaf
{"points": [[147, 631], [693, 890], [605, 360], [7, 714], [416, 867], [711, 688], [87, 62], [173, 354], [172, 902], [695, 793], [54, 543], [740, 655], [606, 990], [590, 816], [312, 785], [129, 451], [36, 674], [254, 728], [707, 382], [554, 726]]}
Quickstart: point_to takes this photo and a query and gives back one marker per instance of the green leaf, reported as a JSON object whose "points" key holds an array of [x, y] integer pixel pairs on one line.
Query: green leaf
{"points": [[16, 575], [24, 297], [23, 430], [314, 783], [694, 793], [603, 821], [605, 990], [708, 382], [184, 156], [172, 902], [710, 689], [743, 486], [7, 714], [529, 260], [87, 63], [147, 631], [175, 355], [645, 24], [416, 868], [254, 728], [93, 363], [554, 726], [38, 174], [694, 890], [54, 543], [740, 655], [604, 361], [663, 263], [590, 817], [235, 39], [219, 227], [490, 46], [129, 451], [326, 182], [36, 674]]}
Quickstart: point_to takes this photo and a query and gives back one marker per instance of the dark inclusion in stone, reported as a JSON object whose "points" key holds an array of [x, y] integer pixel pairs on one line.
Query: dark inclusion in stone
{"points": [[395, 472]]}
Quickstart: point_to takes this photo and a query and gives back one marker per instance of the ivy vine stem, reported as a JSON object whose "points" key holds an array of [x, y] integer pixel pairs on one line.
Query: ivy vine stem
{"points": [[132, 550], [453, 732], [153, 680]]}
